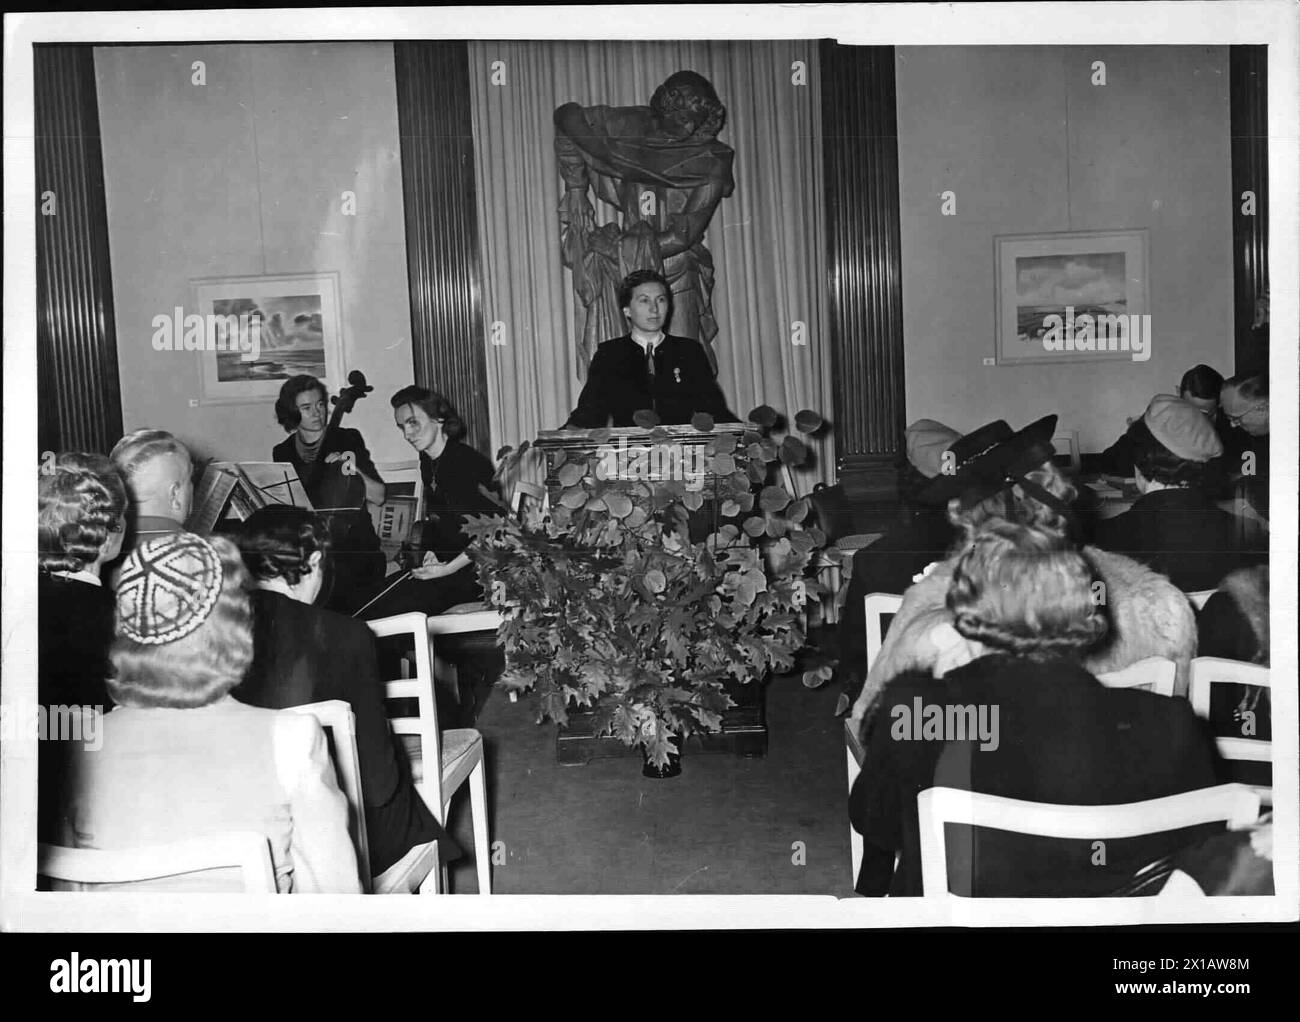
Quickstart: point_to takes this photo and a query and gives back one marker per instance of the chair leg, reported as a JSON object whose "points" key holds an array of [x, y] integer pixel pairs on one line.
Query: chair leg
{"points": [[446, 879], [478, 805]]}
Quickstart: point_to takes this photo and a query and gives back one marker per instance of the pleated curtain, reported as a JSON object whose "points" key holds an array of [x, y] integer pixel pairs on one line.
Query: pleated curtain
{"points": [[766, 238]]}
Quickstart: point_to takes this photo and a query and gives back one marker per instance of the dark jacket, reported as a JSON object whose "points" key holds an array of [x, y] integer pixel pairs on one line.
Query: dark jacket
{"points": [[618, 384], [303, 654], [1062, 737], [1179, 533], [453, 489]]}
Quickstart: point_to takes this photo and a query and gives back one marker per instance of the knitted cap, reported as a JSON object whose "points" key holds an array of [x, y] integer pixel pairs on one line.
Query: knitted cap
{"points": [[1182, 428], [926, 442], [167, 588]]}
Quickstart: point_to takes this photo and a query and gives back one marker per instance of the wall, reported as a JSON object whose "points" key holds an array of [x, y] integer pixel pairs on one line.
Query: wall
{"points": [[1028, 144], [244, 176]]}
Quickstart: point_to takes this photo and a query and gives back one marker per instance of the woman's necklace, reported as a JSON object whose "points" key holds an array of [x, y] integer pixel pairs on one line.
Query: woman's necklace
{"points": [[307, 451]]}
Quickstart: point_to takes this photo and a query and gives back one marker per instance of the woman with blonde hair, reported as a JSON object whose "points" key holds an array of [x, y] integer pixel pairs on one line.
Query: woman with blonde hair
{"points": [[1015, 481], [179, 757], [1034, 724]]}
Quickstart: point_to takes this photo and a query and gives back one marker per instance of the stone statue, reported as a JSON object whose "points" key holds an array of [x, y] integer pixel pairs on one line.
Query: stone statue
{"points": [[664, 170]]}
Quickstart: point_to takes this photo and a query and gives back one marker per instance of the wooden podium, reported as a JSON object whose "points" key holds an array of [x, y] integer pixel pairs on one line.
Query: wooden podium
{"points": [[744, 727]]}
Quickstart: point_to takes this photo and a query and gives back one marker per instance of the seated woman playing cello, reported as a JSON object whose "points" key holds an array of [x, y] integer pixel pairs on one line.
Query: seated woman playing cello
{"points": [[340, 479]]}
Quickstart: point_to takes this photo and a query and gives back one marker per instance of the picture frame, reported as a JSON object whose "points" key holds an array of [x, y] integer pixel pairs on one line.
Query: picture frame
{"points": [[1073, 296], [283, 325]]}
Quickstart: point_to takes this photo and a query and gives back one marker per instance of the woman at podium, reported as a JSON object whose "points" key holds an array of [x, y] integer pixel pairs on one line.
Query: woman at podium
{"points": [[458, 481], [340, 479], [647, 368]]}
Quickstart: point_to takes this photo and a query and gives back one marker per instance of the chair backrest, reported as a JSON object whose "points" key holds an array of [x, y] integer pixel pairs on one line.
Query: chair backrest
{"points": [[1201, 597], [419, 734], [1208, 671], [336, 717], [1066, 442], [877, 606], [245, 850], [1155, 673], [1233, 804]]}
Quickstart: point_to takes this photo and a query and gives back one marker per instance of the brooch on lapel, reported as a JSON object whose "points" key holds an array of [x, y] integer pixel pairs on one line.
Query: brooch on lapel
{"points": [[677, 374]]}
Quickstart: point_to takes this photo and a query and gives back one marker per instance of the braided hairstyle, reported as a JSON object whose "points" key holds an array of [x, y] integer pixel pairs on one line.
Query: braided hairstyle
{"points": [[278, 542], [1025, 590], [82, 501]]}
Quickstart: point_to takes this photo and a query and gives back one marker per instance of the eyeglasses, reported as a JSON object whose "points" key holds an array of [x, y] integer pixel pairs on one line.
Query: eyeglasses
{"points": [[1235, 420]]}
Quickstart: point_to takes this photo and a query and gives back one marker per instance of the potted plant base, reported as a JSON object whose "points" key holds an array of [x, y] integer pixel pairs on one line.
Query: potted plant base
{"points": [[744, 732]]}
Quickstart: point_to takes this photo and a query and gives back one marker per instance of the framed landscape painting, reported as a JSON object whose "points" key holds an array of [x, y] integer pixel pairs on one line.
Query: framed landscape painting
{"points": [[260, 331], [1079, 296]]}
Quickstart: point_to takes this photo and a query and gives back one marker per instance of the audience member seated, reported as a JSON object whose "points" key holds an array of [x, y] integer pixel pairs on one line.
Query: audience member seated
{"points": [[180, 758], [305, 654], [1174, 527], [1233, 624], [1245, 406], [1016, 481], [1199, 387], [82, 503], [158, 473], [923, 536], [1021, 614]]}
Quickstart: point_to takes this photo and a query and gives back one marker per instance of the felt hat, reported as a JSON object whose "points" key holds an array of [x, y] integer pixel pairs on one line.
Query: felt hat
{"points": [[1183, 428], [965, 453], [994, 466], [167, 588]]}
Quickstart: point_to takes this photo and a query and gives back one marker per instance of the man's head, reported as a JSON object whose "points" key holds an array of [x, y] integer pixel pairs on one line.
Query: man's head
{"points": [[688, 107], [646, 301], [1200, 387], [157, 470], [1245, 402], [423, 416], [302, 402]]}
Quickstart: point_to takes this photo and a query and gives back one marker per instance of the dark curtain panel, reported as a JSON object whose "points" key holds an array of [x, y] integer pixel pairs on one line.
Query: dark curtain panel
{"points": [[433, 116], [79, 400], [1248, 71], [864, 261]]}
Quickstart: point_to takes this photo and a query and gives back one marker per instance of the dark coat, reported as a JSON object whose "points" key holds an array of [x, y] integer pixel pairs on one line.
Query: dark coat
{"points": [[1062, 738], [453, 488], [303, 654], [618, 384], [1179, 533]]}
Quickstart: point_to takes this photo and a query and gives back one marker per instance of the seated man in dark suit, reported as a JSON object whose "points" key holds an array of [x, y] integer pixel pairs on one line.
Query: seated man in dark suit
{"points": [[647, 368], [1043, 728], [1174, 527]]}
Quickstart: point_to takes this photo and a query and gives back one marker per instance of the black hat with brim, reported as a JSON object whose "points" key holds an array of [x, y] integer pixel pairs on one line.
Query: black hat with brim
{"points": [[996, 467]]}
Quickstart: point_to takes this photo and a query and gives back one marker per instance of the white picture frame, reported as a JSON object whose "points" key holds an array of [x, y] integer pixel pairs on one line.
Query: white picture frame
{"points": [[1099, 274], [300, 332]]}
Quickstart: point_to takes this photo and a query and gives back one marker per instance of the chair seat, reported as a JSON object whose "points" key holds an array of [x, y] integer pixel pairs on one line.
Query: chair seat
{"points": [[462, 748], [476, 607]]}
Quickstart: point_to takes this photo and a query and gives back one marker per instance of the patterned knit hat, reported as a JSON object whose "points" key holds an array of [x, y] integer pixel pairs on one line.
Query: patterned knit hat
{"points": [[167, 588]]}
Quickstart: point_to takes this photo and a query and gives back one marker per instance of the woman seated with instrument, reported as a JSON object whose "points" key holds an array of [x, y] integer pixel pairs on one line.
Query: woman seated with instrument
{"points": [[340, 479], [179, 757], [458, 481]]}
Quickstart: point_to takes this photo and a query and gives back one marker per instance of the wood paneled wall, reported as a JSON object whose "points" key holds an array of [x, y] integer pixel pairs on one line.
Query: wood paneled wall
{"points": [[79, 399], [433, 116], [864, 260], [1248, 74]]}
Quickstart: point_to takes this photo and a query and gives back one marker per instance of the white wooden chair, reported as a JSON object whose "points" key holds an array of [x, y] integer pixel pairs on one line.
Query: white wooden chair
{"points": [[1200, 598], [877, 605], [336, 717], [1155, 674], [1069, 440], [1208, 671], [1234, 804], [854, 753], [247, 851], [441, 761]]}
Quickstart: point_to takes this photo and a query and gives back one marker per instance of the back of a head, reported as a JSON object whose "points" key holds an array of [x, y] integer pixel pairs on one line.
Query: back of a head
{"points": [[278, 541], [1016, 505], [138, 451], [184, 627], [81, 502], [1249, 386], [1202, 382], [1024, 590]]}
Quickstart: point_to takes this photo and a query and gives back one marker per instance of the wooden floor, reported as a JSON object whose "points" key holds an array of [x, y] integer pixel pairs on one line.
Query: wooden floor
{"points": [[727, 825]]}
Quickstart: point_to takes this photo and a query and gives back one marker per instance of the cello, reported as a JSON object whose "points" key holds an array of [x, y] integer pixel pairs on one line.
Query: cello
{"points": [[339, 497]]}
